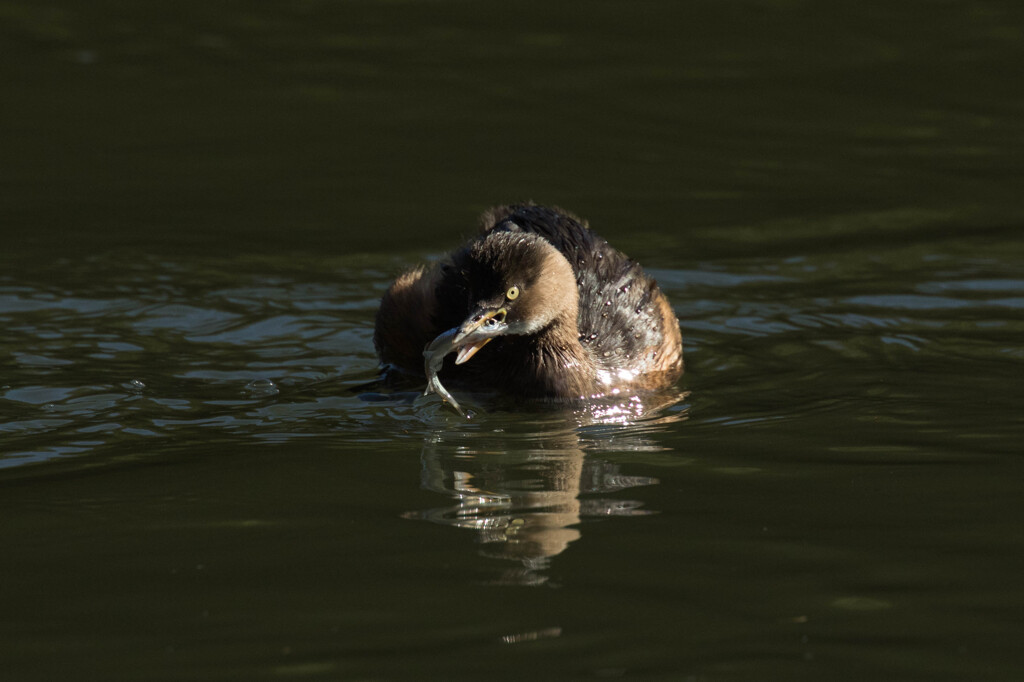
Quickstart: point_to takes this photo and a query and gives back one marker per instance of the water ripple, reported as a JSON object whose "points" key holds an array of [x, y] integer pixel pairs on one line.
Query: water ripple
{"points": [[183, 351]]}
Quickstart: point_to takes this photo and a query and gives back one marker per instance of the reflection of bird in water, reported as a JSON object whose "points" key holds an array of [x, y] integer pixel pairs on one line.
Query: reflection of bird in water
{"points": [[565, 315], [524, 504]]}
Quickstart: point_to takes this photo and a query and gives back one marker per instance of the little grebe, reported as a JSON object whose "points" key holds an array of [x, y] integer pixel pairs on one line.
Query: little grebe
{"points": [[563, 315]]}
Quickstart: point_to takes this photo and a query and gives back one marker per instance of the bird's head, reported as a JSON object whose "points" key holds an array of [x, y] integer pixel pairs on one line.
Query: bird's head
{"points": [[516, 284]]}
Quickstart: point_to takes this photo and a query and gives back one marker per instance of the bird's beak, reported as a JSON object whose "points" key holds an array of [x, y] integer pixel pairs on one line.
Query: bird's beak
{"points": [[479, 328]]}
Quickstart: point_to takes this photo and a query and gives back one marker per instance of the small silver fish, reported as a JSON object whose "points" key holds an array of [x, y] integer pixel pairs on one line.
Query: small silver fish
{"points": [[434, 355], [473, 335]]}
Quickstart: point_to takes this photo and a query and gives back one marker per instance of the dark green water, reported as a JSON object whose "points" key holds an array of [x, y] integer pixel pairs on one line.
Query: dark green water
{"points": [[202, 203]]}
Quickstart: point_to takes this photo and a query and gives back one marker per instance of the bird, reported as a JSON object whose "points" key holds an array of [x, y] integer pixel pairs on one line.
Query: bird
{"points": [[535, 306]]}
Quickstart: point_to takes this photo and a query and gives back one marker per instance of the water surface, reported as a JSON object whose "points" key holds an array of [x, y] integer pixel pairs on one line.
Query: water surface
{"points": [[203, 205]]}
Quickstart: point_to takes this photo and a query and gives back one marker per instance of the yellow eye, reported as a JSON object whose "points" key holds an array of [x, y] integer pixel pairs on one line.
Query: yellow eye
{"points": [[512, 294]]}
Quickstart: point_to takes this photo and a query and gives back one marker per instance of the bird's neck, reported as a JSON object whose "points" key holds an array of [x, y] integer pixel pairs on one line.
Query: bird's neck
{"points": [[561, 361]]}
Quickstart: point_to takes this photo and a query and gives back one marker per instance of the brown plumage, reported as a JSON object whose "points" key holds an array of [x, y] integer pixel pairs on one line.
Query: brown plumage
{"points": [[572, 317]]}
